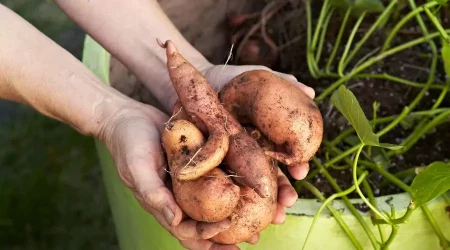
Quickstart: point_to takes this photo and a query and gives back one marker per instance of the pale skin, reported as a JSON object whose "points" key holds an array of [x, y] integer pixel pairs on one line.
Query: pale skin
{"points": [[37, 72]]}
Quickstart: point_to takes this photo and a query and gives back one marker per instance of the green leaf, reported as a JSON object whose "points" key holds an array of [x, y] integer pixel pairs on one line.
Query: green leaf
{"points": [[430, 183], [446, 56], [345, 101]]}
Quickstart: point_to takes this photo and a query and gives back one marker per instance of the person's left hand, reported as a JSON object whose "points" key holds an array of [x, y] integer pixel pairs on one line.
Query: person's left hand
{"points": [[218, 76]]}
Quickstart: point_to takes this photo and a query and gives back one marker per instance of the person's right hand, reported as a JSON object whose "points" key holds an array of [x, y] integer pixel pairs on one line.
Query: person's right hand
{"points": [[132, 135]]}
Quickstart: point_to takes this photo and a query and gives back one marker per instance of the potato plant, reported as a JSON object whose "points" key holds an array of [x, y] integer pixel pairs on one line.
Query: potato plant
{"points": [[360, 149]]}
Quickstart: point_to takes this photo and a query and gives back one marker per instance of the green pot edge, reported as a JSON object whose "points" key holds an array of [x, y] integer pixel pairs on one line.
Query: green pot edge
{"points": [[143, 232]]}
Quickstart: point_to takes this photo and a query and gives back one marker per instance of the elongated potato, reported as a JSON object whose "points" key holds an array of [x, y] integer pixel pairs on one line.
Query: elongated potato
{"points": [[210, 198], [199, 100], [283, 112], [202, 105], [253, 213]]}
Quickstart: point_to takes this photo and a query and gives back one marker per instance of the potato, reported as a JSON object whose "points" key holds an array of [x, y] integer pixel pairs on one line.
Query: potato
{"points": [[210, 198], [199, 100], [252, 215], [283, 112]]}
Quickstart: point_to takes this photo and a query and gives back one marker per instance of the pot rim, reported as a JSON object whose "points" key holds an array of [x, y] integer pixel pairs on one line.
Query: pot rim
{"points": [[309, 207]]}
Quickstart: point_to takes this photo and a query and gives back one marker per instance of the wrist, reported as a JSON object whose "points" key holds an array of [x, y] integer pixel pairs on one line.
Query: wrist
{"points": [[106, 109]]}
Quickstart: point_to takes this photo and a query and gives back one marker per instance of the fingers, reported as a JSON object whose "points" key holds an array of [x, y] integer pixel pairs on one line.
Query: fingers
{"points": [[280, 215], [152, 193], [205, 245], [219, 75], [286, 193], [308, 90], [254, 239], [194, 230], [299, 172], [157, 199]]}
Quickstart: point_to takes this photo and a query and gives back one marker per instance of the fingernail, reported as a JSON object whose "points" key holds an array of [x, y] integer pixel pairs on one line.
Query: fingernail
{"points": [[168, 214]]}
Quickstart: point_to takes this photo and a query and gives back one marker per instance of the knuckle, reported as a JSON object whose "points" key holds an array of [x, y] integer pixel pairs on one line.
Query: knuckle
{"points": [[125, 177], [155, 198]]}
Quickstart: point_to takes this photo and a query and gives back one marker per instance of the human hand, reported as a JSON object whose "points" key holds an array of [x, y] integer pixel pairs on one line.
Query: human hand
{"points": [[132, 135]]}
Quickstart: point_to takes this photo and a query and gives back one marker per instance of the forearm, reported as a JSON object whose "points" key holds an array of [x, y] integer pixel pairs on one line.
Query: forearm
{"points": [[128, 30], [37, 72]]}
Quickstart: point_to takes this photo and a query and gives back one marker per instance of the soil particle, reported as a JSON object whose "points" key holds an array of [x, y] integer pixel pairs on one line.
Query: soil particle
{"points": [[362, 207]]}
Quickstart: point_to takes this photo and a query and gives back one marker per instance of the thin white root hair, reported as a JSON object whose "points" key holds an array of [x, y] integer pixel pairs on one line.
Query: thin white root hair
{"points": [[173, 116], [192, 158]]}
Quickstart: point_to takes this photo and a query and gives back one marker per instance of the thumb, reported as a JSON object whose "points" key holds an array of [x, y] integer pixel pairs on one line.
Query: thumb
{"points": [[308, 90], [156, 198]]}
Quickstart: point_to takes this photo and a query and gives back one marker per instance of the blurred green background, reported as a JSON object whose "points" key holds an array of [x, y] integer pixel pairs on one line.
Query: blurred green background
{"points": [[51, 191]]}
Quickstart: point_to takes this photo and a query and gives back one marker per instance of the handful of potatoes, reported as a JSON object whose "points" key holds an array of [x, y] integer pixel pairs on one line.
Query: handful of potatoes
{"points": [[221, 148]]}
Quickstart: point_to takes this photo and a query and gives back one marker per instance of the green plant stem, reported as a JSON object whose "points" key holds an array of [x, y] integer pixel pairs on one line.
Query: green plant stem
{"points": [[410, 141], [338, 40], [403, 174], [322, 36], [341, 66], [347, 202], [373, 60], [311, 68], [381, 120], [339, 167], [376, 106], [312, 47], [424, 208], [322, 17], [380, 19], [412, 138], [406, 188], [358, 190], [388, 77], [391, 237], [436, 23], [328, 200], [333, 211], [343, 155], [374, 203], [442, 240], [400, 220], [416, 100], [403, 21], [441, 96]]}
